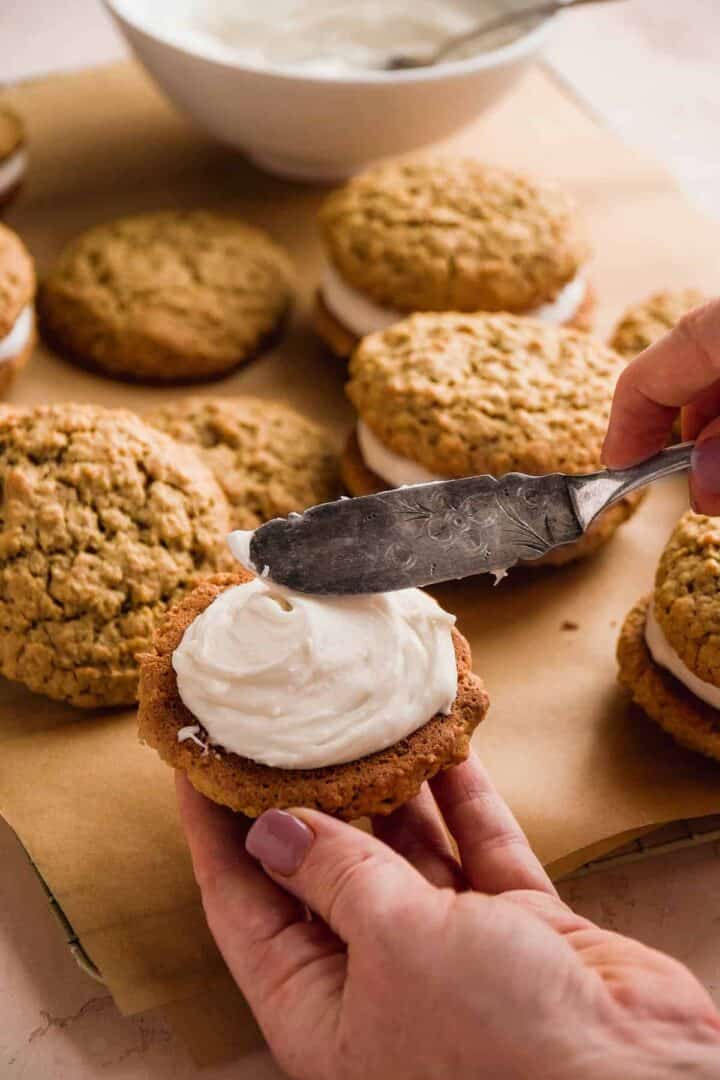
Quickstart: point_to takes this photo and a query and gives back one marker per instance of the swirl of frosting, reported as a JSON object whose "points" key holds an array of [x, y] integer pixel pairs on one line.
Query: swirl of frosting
{"points": [[300, 682]]}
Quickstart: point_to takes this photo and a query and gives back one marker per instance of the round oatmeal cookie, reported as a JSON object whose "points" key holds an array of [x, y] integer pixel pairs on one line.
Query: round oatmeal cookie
{"points": [[376, 784], [645, 323], [173, 296], [452, 234], [267, 458], [104, 523], [690, 721], [13, 156], [468, 394], [687, 594]]}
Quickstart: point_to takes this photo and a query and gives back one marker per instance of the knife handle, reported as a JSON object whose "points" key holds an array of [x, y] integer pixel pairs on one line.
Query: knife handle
{"points": [[593, 493]]}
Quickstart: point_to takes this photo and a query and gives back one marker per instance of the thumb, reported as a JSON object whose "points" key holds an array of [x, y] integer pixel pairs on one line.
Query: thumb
{"points": [[346, 876], [705, 475]]}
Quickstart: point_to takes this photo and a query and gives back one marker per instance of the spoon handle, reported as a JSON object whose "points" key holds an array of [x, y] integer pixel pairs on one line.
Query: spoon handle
{"points": [[552, 7]]}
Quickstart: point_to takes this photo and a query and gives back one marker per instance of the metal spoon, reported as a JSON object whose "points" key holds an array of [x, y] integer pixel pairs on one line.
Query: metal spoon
{"points": [[400, 62]]}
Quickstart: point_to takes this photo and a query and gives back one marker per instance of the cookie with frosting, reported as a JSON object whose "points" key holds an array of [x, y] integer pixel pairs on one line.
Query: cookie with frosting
{"points": [[669, 646], [17, 316], [448, 234], [13, 154], [442, 396], [266, 698], [171, 296]]}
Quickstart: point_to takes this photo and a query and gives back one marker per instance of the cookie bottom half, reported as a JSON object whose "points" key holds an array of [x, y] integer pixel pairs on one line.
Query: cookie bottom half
{"points": [[358, 479], [691, 722], [376, 784]]}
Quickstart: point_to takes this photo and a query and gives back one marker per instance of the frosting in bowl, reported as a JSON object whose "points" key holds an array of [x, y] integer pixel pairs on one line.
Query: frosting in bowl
{"points": [[326, 37], [302, 682]]}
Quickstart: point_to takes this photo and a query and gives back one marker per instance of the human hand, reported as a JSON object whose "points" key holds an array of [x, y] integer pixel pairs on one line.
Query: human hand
{"points": [[680, 372], [418, 964]]}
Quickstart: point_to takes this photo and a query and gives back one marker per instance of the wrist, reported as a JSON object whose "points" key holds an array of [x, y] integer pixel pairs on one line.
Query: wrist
{"points": [[652, 1050]]}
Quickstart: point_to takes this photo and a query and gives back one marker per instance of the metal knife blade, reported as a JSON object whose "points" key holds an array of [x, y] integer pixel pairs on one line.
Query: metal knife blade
{"points": [[428, 533], [420, 535]]}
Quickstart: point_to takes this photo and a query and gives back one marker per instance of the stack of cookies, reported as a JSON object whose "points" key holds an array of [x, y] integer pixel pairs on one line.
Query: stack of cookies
{"points": [[448, 235]]}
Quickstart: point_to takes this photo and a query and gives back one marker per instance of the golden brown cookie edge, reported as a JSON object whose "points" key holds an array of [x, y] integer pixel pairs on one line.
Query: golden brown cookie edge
{"points": [[691, 722], [376, 784]]}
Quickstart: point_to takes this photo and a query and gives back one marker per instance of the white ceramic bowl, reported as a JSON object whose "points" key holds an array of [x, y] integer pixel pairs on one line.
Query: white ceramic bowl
{"points": [[314, 127]]}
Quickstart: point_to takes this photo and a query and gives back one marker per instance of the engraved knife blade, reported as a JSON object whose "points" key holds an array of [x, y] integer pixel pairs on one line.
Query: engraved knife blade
{"points": [[415, 536], [428, 533]]}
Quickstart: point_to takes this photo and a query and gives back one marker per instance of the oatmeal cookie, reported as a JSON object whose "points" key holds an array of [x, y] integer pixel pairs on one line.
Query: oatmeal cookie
{"points": [[267, 458], [645, 323], [691, 722], [451, 234], [166, 297], [104, 524]]}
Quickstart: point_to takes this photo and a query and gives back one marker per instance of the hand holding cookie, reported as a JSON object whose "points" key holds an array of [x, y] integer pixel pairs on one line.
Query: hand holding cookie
{"points": [[415, 959], [679, 372]]}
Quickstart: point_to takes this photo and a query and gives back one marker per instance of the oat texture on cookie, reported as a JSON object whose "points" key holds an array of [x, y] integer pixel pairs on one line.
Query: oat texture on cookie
{"points": [[168, 296], [645, 323], [448, 234], [267, 458], [104, 524], [467, 394], [687, 594], [17, 279]]}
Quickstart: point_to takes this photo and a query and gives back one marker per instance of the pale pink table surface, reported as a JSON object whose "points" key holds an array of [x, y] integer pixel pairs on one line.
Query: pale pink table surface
{"points": [[58, 1024]]}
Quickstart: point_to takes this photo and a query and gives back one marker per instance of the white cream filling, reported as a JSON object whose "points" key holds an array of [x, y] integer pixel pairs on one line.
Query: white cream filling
{"points": [[663, 654], [14, 342], [301, 682], [363, 316], [394, 469], [12, 170], [355, 311]]}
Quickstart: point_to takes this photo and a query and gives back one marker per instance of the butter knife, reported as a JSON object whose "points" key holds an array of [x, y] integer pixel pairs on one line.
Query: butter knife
{"points": [[428, 533]]}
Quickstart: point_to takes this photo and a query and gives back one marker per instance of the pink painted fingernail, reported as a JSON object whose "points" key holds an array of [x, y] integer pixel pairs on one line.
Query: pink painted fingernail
{"points": [[279, 841], [705, 477]]}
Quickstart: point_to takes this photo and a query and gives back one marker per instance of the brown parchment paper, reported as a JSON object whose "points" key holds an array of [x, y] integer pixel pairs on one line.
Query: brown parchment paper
{"points": [[94, 809]]}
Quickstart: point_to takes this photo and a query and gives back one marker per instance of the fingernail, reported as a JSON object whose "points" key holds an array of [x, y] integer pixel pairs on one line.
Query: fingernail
{"points": [[705, 476], [279, 841]]}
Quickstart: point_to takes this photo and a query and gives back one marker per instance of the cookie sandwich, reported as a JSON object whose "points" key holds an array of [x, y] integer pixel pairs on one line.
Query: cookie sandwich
{"points": [[442, 396], [174, 296], [104, 524], [17, 316], [267, 458], [647, 322], [13, 155], [268, 698], [448, 234], [669, 646]]}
